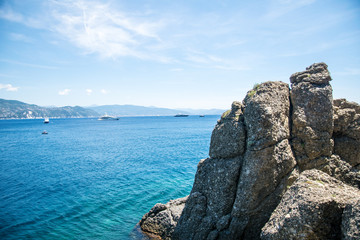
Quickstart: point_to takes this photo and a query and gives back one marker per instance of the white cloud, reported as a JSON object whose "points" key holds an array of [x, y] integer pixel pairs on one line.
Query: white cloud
{"points": [[8, 87], [99, 28], [103, 91], [89, 91], [27, 64], [65, 92]]}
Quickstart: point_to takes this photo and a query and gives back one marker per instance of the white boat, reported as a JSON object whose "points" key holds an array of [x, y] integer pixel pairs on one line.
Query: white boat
{"points": [[46, 120], [107, 117]]}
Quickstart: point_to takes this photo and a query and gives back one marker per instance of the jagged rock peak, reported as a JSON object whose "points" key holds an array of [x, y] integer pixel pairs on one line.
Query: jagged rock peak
{"points": [[316, 73]]}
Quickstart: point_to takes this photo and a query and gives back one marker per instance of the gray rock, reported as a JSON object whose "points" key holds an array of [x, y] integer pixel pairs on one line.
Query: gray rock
{"points": [[312, 116], [311, 208], [161, 220], [267, 115], [351, 222], [316, 73], [228, 136], [258, 150], [211, 198], [339, 169], [347, 131], [263, 180]]}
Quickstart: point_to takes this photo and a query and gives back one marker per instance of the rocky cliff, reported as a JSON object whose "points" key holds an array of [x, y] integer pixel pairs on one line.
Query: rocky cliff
{"points": [[284, 164]]}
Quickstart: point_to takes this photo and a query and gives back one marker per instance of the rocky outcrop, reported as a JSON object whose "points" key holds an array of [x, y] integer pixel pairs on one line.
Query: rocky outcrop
{"points": [[347, 131], [312, 115], [312, 208], [228, 136], [259, 148], [161, 220]]}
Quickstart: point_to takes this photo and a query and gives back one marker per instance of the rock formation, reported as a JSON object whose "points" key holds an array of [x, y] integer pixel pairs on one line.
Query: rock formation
{"points": [[284, 164]]}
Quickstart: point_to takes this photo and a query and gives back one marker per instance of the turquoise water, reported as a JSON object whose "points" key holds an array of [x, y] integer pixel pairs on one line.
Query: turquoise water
{"points": [[90, 179]]}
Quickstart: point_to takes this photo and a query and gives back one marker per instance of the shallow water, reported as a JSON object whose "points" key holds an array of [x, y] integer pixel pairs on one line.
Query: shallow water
{"points": [[90, 179]]}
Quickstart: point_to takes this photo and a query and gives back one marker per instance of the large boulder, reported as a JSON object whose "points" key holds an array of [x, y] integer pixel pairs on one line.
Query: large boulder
{"points": [[211, 199], [161, 220], [266, 115], [312, 209], [347, 131], [312, 115], [268, 160]]}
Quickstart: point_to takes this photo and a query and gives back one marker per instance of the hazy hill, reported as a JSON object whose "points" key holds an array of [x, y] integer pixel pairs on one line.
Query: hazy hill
{"points": [[132, 110], [17, 109]]}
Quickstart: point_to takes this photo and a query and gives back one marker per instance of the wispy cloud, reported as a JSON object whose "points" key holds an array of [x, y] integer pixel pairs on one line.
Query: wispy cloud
{"points": [[8, 87], [103, 91], [20, 37], [88, 91], [64, 92], [212, 61], [27, 64], [280, 8], [8, 14], [98, 28]]}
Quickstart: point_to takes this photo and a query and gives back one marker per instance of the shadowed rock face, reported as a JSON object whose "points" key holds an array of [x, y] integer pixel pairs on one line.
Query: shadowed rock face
{"points": [[347, 131], [259, 149], [311, 209]]}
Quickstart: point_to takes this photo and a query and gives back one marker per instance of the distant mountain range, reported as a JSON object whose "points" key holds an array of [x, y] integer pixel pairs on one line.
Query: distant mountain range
{"points": [[132, 110], [17, 109], [12, 109]]}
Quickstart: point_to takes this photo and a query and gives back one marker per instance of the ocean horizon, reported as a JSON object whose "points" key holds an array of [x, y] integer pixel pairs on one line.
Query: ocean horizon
{"points": [[90, 179]]}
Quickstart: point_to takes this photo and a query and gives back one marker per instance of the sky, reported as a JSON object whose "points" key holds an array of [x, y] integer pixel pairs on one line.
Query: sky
{"points": [[173, 54]]}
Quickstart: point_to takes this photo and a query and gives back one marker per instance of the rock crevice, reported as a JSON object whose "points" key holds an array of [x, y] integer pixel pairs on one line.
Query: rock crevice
{"points": [[270, 156]]}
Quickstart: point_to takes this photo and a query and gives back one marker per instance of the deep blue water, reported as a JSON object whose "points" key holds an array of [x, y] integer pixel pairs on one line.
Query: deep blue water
{"points": [[90, 179]]}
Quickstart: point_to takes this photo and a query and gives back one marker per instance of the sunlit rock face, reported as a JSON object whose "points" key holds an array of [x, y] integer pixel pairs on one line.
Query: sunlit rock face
{"points": [[280, 157]]}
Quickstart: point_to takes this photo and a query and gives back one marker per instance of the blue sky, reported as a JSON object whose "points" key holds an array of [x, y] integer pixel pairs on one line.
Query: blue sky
{"points": [[176, 54]]}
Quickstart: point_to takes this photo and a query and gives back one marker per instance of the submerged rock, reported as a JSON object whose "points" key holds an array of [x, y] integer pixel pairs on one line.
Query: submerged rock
{"points": [[258, 149]]}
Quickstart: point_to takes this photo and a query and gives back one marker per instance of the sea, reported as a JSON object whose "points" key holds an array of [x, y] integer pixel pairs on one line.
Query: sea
{"points": [[90, 179]]}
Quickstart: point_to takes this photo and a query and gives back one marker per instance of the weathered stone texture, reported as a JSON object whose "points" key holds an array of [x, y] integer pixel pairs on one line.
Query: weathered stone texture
{"points": [[228, 136], [351, 222], [211, 198], [161, 220], [258, 150], [266, 115], [347, 131], [311, 209], [312, 116]]}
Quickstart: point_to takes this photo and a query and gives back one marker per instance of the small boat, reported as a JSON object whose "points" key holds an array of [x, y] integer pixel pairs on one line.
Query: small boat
{"points": [[202, 116], [181, 115], [44, 132], [46, 120], [107, 117]]}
